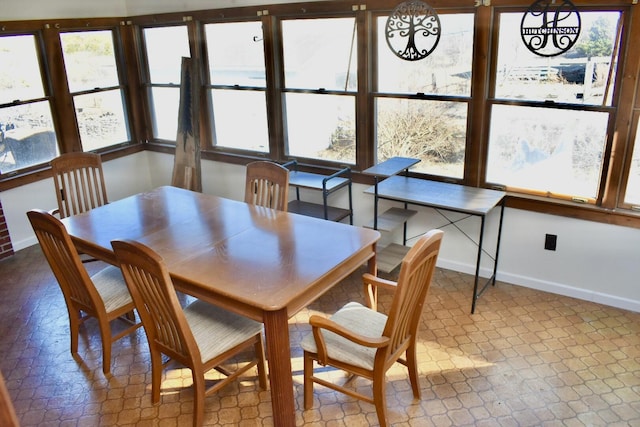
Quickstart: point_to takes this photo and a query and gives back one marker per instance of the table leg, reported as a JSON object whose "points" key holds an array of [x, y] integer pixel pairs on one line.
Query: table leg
{"points": [[276, 328]]}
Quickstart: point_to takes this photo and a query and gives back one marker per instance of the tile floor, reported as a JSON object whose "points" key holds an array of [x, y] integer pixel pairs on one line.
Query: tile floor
{"points": [[526, 358]]}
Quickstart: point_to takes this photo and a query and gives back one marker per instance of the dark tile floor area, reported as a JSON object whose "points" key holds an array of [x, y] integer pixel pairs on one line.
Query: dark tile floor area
{"points": [[526, 358]]}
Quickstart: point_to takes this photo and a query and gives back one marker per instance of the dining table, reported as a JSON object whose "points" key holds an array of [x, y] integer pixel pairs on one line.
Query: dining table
{"points": [[258, 262]]}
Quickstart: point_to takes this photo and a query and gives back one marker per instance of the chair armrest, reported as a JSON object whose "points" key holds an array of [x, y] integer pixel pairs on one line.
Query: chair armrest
{"points": [[318, 322], [371, 285], [55, 211]]}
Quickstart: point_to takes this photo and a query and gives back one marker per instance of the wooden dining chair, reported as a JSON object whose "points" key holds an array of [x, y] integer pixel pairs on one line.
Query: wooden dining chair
{"points": [[103, 296], [365, 342], [267, 185], [200, 336], [8, 417], [79, 183]]}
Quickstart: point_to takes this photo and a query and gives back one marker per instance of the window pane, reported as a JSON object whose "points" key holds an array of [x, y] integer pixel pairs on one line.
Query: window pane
{"points": [[27, 136], [432, 131], [446, 71], [165, 47], [549, 150], [236, 54], [240, 119], [632, 195], [101, 119], [321, 126], [21, 80], [580, 76], [89, 60], [320, 53], [165, 102]]}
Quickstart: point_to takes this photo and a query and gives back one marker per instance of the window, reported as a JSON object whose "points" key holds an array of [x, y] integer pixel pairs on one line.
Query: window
{"points": [[550, 115], [320, 68], [632, 194], [164, 48], [421, 106], [27, 134], [237, 90], [94, 84]]}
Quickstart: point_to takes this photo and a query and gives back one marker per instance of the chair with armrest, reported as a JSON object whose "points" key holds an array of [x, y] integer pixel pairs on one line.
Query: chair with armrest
{"points": [[79, 183], [366, 343], [200, 336], [103, 296], [267, 185]]}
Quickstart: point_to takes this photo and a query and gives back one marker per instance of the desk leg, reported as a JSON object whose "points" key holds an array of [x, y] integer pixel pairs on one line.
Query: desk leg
{"points": [[475, 282], [276, 327]]}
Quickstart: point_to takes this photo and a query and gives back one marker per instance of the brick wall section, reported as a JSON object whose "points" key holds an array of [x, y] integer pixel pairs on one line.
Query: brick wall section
{"points": [[6, 248]]}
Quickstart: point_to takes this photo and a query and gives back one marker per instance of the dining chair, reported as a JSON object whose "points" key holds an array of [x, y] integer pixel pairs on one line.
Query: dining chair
{"points": [[103, 296], [365, 342], [79, 183], [200, 336], [267, 185]]}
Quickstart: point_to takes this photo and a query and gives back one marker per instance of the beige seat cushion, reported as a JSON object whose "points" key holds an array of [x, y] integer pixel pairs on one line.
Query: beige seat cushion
{"points": [[216, 330], [112, 288], [357, 318]]}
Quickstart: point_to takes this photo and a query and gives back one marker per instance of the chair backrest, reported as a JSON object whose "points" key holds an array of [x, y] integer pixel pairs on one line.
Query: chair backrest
{"points": [[267, 184], [156, 301], [64, 260], [79, 183], [413, 284]]}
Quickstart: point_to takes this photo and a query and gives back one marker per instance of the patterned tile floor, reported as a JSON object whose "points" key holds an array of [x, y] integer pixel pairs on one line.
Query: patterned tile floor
{"points": [[526, 358]]}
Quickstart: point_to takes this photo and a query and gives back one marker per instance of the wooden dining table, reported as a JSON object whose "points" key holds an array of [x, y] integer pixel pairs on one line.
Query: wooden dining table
{"points": [[258, 262]]}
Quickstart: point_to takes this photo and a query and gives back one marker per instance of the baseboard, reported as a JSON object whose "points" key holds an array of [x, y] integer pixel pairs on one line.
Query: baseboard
{"points": [[546, 286]]}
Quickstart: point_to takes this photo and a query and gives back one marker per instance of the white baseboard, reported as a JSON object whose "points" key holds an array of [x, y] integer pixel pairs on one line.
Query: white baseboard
{"points": [[546, 286]]}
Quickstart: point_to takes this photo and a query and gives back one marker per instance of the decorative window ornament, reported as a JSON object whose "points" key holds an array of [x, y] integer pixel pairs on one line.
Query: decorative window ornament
{"points": [[413, 30], [550, 29]]}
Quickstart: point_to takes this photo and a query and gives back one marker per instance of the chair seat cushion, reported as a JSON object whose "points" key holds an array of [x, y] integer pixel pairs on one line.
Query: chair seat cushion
{"points": [[359, 319], [112, 288], [216, 330]]}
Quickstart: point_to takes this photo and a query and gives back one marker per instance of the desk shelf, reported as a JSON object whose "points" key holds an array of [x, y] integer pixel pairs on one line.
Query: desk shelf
{"points": [[390, 256], [327, 184]]}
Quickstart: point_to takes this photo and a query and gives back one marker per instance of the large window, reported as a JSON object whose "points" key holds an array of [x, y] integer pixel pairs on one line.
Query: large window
{"points": [[237, 89], [94, 84], [164, 48], [421, 107], [320, 68], [550, 116], [27, 134]]}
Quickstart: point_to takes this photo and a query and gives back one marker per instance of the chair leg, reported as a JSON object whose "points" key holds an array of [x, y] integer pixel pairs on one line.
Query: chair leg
{"points": [[308, 382], [198, 399], [262, 369], [105, 332], [74, 328], [380, 399], [156, 375], [412, 366]]}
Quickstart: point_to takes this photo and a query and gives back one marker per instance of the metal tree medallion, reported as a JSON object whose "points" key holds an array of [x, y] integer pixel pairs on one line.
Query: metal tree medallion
{"points": [[550, 29], [413, 30]]}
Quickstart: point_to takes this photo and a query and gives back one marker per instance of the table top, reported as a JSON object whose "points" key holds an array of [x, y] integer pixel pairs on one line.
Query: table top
{"points": [[455, 197], [391, 166], [226, 250]]}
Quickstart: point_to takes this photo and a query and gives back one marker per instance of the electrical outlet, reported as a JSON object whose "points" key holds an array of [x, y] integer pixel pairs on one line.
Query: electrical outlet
{"points": [[550, 241]]}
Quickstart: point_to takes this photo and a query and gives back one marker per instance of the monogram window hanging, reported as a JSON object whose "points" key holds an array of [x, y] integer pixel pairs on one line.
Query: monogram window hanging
{"points": [[550, 29]]}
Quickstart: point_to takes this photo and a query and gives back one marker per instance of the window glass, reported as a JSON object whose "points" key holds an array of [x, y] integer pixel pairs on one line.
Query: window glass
{"points": [[432, 131], [27, 134], [236, 54], [321, 126], [585, 74], [164, 48], [92, 73], [89, 60], [240, 119], [320, 53], [632, 195], [320, 61], [547, 150], [238, 85], [447, 70]]}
